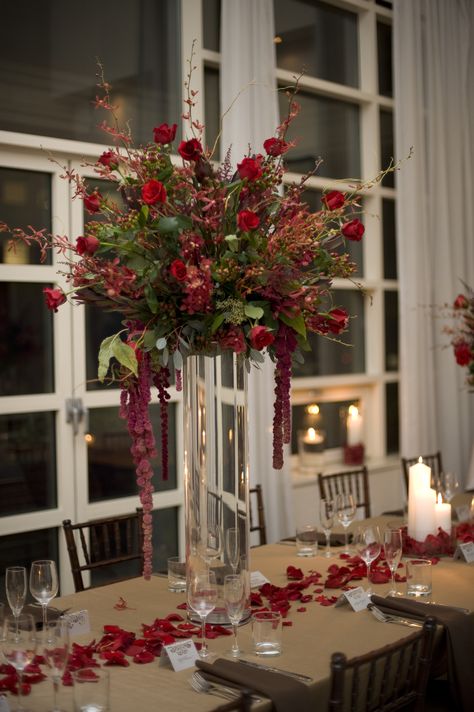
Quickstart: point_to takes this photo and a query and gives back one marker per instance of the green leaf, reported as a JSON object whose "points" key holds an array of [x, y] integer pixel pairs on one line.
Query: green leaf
{"points": [[151, 299], [252, 311], [178, 360], [165, 356], [149, 339], [143, 215], [136, 262], [257, 356], [105, 354], [296, 323], [161, 343], [218, 319], [125, 355], [233, 242], [176, 223]]}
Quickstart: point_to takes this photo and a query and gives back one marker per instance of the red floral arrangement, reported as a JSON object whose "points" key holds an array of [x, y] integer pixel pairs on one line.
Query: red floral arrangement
{"points": [[462, 332], [200, 258]]}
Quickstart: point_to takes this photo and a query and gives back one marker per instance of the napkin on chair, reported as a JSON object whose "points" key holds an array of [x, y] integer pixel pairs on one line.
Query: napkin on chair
{"points": [[286, 693], [459, 628]]}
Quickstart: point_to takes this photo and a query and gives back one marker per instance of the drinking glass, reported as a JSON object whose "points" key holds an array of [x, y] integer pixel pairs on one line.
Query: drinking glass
{"points": [[19, 646], [449, 485], [210, 543], [326, 518], [55, 648], [15, 586], [345, 510], [393, 546], [232, 547], [235, 600], [43, 583], [368, 545], [202, 598]]}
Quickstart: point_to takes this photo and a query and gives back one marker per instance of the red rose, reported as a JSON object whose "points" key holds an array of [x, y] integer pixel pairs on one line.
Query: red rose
{"points": [[260, 336], [337, 320], [190, 150], [92, 202], [275, 146], [333, 200], [54, 298], [178, 270], [108, 159], [461, 302], [463, 353], [87, 245], [233, 339], [247, 220], [353, 230], [154, 192], [250, 168], [164, 133]]}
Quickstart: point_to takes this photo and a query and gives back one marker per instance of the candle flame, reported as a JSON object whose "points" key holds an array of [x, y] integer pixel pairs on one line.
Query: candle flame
{"points": [[312, 409], [311, 434], [440, 499], [353, 411], [420, 459]]}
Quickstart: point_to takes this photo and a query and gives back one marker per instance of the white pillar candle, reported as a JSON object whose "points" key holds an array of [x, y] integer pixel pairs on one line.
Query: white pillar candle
{"points": [[425, 523], [312, 437], [443, 515], [419, 479], [354, 426]]}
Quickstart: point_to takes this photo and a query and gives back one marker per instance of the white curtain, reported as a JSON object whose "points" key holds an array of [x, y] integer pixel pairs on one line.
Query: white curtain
{"points": [[248, 83], [434, 89]]}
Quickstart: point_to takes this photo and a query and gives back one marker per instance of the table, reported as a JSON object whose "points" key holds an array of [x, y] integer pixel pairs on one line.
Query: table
{"points": [[307, 645]]}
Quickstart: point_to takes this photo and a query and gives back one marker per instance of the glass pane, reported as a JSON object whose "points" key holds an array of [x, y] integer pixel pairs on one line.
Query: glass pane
{"points": [[384, 55], [25, 199], [212, 110], [24, 547], [389, 239], [384, 3], [211, 22], [111, 469], [26, 340], [391, 330], [51, 92], [317, 38], [327, 357], [392, 419], [328, 420], [28, 463], [387, 146], [165, 544], [326, 128]]}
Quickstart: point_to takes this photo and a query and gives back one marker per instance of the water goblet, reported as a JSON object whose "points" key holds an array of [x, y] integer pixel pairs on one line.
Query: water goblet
{"points": [[19, 646], [326, 518], [202, 598], [393, 548], [368, 545], [55, 648], [210, 543], [232, 547], [345, 511], [43, 583], [15, 587], [449, 485], [235, 600]]}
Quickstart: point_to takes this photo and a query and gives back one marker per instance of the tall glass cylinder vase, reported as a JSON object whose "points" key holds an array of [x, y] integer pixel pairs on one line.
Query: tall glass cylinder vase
{"points": [[216, 477]]}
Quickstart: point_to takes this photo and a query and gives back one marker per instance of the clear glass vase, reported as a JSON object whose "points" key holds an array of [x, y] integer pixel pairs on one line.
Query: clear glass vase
{"points": [[216, 476]]}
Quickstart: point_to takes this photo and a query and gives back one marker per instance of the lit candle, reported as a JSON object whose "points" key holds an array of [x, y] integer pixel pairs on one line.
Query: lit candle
{"points": [[419, 479], [425, 522], [312, 437], [443, 515], [354, 426]]}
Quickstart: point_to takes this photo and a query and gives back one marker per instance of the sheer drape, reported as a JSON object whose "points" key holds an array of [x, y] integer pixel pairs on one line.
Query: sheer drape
{"points": [[248, 80], [434, 82]]}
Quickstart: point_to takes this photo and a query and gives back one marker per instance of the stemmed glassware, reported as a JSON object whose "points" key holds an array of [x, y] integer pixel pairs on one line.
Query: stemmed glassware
{"points": [[43, 583], [55, 649], [327, 511], [449, 485], [368, 545], [235, 600], [19, 646], [232, 547], [202, 598], [210, 543], [15, 587], [393, 548], [345, 511]]}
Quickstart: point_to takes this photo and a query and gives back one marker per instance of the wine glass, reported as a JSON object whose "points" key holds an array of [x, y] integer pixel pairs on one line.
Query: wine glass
{"points": [[43, 583], [232, 547], [55, 648], [368, 544], [449, 485], [15, 586], [345, 511], [202, 598], [326, 518], [235, 600], [393, 546], [210, 543], [19, 646]]}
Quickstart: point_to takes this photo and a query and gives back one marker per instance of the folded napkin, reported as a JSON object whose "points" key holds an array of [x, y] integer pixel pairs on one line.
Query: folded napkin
{"points": [[459, 640], [286, 693], [334, 539]]}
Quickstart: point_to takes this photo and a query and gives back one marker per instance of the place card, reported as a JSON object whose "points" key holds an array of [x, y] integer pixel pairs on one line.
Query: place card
{"points": [[78, 623], [357, 598], [257, 579], [463, 513], [179, 655], [465, 551]]}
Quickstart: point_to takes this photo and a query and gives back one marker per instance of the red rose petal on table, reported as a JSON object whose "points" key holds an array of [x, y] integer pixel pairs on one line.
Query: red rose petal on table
{"points": [[174, 617], [293, 573], [318, 590], [143, 657], [182, 606], [344, 556], [379, 577], [67, 679], [400, 579], [287, 623], [133, 650], [306, 598], [302, 609], [115, 657]]}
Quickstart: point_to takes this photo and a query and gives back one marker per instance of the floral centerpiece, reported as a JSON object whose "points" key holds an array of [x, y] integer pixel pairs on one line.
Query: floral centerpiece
{"points": [[462, 332], [201, 258]]}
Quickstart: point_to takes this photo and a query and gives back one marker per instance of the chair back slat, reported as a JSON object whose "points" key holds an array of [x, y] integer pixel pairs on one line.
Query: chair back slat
{"points": [[256, 494], [355, 482]]}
